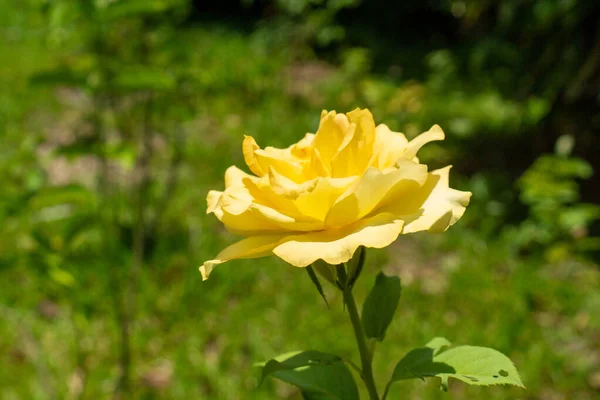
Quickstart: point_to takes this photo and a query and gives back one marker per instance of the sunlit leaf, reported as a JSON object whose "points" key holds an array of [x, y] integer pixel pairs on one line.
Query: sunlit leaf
{"points": [[474, 365]]}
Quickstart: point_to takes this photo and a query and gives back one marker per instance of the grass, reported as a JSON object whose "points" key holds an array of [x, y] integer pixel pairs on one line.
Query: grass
{"points": [[199, 340]]}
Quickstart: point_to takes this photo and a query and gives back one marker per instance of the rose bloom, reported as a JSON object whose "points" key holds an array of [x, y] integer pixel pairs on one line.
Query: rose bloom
{"points": [[350, 184]]}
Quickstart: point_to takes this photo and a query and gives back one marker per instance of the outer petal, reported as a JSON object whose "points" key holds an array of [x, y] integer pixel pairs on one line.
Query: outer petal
{"points": [[434, 207], [338, 246], [240, 214], [213, 199], [435, 133], [282, 160], [443, 207], [253, 247], [249, 146], [235, 176], [368, 192], [257, 220]]}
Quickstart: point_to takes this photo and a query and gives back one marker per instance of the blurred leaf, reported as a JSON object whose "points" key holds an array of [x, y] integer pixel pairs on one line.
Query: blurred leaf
{"points": [[63, 195], [380, 305], [128, 8], [143, 78], [320, 376], [59, 77], [62, 277], [564, 145], [84, 145], [578, 215]]}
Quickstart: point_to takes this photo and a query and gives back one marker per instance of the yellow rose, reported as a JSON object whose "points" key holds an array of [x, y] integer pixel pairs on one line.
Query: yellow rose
{"points": [[351, 184]]}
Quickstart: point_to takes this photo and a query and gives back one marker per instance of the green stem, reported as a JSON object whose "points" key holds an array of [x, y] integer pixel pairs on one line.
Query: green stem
{"points": [[365, 356]]}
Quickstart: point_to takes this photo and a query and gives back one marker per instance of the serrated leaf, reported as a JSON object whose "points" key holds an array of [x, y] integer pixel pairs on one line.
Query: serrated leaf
{"points": [[380, 305], [480, 366], [474, 365], [438, 344], [417, 362], [320, 376]]}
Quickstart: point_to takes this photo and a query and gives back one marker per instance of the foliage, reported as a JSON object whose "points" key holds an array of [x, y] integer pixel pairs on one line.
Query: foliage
{"points": [[84, 82], [559, 220]]}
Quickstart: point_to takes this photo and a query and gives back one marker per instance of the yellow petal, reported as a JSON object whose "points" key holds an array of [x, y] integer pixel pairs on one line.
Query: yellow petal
{"points": [[371, 189], [443, 207], [213, 199], [285, 222], [389, 147], [338, 246], [263, 193], [434, 207], [317, 202], [282, 161], [303, 149], [243, 214], [287, 188], [252, 247], [249, 146], [435, 133], [235, 210], [330, 134], [316, 166], [258, 220], [356, 150], [235, 176]]}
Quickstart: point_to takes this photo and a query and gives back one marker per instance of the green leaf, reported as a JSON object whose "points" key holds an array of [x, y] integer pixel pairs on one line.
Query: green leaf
{"points": [[380, 306], [417, 362], [315, 280], [130, 8], [59, 77], [61, 276], [474, 365], [320, 376], [62, 195]]}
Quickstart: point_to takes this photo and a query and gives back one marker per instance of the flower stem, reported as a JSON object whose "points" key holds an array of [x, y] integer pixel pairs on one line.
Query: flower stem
{"points": [[365, 356]]}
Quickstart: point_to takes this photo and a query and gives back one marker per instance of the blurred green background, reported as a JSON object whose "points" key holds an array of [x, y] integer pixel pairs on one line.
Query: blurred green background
{"points": [[118, 116]]}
